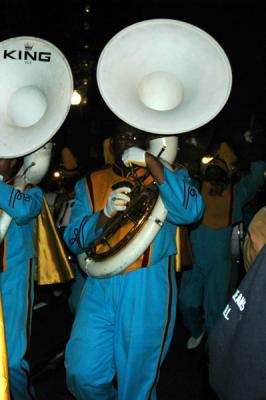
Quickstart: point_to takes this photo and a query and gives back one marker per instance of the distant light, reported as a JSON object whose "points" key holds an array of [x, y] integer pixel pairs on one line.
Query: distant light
{"points": [[76, 98], [87, 8], [206, 159], [56, 174]]}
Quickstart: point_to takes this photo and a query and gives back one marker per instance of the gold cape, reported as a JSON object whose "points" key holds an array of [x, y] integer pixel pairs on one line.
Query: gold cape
{"points": [[53, 265], [4, 384]]}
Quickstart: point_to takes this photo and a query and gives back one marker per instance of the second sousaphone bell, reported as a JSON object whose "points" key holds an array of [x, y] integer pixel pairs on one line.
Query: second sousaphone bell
{"points": [[164, 76]]}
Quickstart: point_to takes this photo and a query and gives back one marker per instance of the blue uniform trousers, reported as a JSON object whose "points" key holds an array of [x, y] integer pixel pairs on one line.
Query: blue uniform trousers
{"points": [[125, 324], [14, 284], [207, 284]]}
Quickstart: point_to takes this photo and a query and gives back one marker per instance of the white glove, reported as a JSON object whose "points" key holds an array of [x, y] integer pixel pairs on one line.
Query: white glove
{"points": [[20, 182], [117, 201], [134, 155]]}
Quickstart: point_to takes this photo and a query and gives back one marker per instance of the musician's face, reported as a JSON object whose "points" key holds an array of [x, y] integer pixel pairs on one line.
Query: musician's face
{"points": [[6, 167], [125, 138]]}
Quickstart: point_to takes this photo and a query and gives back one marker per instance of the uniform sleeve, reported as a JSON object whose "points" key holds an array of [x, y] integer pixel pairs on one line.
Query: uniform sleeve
{"points": [[21, 206], [180, 197], [249, 184], [80, 231]]}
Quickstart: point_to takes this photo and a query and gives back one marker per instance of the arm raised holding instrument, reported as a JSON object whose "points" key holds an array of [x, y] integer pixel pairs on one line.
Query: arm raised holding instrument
{"points": [[175, 185], [22, 206]]}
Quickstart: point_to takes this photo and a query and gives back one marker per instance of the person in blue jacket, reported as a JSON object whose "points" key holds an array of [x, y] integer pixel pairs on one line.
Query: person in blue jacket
{"points": [[124, 323], [17, 275], [204, 289]]}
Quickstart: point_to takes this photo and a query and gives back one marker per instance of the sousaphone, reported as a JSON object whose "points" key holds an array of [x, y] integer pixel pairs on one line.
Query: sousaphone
{"points": [[164, 77]]}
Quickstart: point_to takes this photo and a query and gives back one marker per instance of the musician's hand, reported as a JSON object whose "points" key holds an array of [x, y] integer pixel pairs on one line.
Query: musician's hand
{"points": [[134, 155], [117, 201]]}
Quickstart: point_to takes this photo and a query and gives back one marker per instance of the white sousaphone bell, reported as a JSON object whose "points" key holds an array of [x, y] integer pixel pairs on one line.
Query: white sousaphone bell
{"points": [[36, 89], [164, 77]]}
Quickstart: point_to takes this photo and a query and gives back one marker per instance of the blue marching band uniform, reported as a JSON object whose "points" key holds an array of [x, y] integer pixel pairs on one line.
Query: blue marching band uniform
{"points": [[17, 281]]}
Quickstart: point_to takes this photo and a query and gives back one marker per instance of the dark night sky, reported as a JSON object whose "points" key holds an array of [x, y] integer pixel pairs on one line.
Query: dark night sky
{"points": [[238, 26]]}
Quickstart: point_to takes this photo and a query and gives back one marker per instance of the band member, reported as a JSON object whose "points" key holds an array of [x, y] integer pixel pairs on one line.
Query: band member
{"points": [[206, 287], [124, 323], [17, 275]]}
